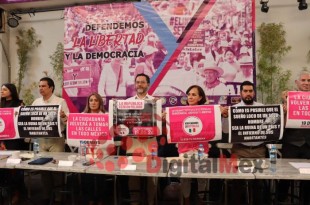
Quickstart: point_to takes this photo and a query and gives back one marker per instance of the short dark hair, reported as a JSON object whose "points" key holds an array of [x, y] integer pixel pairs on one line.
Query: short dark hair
{"points": [[246, 83], [49, 81], [146, 76], [200, 92]]}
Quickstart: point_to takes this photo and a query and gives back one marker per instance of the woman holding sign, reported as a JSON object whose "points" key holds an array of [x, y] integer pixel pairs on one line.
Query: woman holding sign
{"points": [[195, 96], [9, 99], [94, 184]]}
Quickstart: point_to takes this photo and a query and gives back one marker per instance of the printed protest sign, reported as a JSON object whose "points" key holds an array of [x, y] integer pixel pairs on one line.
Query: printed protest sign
{"points": [[135, 118], [193, 123], [298, 110], [7, 123], [77, 76], [39, 121], [255, 123], [88, 126]]}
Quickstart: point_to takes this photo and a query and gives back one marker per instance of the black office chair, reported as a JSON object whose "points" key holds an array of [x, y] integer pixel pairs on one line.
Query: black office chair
{"points": [[71, 184], [5, 194], [295, 194], [67, 189], [210, 195]]}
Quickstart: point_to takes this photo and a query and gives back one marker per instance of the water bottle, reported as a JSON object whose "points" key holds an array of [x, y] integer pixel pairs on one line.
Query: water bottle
{"points": [[154, 155], [273, 167], [83, 151], [36, 147], [201, 152], [273, 154]]}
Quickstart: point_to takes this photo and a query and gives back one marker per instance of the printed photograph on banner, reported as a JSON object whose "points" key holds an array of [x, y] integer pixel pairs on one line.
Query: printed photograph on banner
{"points": [[76, 77], [39, 121], [8, 123], [176, 14], [193, 124], [298, 110], [222, 59], [256, 123], [135, 118]]}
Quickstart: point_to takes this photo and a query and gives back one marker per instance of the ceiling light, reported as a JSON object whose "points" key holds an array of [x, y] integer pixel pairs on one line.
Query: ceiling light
{"points": [[13, 20], [302, 5], [265, 6]]}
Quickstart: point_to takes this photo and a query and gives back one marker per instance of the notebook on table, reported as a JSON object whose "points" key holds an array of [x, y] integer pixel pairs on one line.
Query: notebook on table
{"points": [[41, 161]]}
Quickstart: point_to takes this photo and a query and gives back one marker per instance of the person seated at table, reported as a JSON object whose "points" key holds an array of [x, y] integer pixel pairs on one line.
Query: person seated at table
{"points": [[94, 185], [51, 179], [9, 99], [195, 96], [247, 149], [296, 141], [141, 145]]}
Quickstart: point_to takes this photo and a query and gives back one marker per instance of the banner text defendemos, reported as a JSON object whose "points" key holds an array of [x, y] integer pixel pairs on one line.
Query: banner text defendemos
{"points": [[115, 25]]}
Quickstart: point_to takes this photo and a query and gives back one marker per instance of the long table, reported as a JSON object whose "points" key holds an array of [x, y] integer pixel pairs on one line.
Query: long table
{"points": [[284, 170], [166, 167], [211, 168]]}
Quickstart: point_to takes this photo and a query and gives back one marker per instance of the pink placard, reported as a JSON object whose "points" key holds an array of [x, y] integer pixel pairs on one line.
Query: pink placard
{"points": [[299, 105], [88, 126], [76, 76], [191, 123], [7, 128], [298, 109]]}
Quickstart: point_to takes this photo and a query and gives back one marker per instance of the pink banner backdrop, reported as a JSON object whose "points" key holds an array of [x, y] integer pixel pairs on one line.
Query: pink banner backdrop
{"points": [[171, 41], [193, 123], [298, 110], [86, 126], [7, 123]]}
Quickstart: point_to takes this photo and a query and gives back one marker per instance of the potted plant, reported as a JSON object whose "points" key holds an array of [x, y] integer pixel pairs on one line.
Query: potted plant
{"points": [[26, 41], [57, 61], [272, 78]]}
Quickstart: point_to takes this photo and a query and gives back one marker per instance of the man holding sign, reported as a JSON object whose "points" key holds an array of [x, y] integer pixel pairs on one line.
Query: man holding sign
{"points": [[247, 149], [296, 141], [46, 89], [142, 145]]}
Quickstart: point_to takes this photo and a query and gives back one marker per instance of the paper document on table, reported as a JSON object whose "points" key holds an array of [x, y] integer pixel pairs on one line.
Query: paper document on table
{"points": [[304, 170], [303, 167], [129, 167], [299, 165]]}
